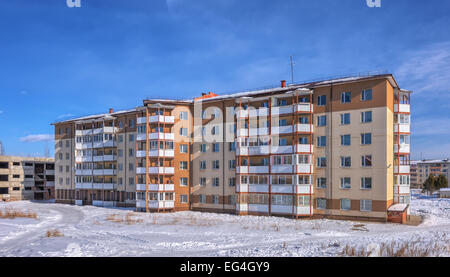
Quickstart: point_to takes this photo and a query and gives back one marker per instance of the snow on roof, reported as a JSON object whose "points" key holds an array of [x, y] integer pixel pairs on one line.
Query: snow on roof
{"points": [[430, 161], [398, 208], [445, 189], [95, 116]]}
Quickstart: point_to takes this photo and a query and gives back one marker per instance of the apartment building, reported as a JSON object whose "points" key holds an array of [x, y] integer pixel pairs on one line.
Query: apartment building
{"points": [[421, 170], [26, 178], [336, 148]]}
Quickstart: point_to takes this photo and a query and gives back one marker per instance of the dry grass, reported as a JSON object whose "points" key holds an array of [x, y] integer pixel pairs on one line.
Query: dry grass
{"points": [[12, 213], [54, 233], [129, 219], [399, 249]]}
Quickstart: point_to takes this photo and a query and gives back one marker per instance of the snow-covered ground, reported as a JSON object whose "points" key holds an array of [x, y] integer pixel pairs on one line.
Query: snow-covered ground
{"points": [[92, 231]]}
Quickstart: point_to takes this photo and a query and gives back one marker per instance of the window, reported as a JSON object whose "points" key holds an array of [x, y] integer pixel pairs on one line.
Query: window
{"points": [[202, 198], [131, 123], [282, 102], [215, 164], [67, 156], [345, 119], [321, 100], [232, 182], [130, 166], [304, 201], [184, 165], [183, 148], [130, 152], [303, 179], [183, 132], [346, 161], [120, 153], [120, 167], [183, 115], [366, 183], [183, 181], [322, 120], [16, 176], [203, 182], [203, 165], [215, 130], [346, 97], [345, 204], [321, 162], [232, 164], [321, 141], [366, 139], [216, 182], [131, 181], [203, 148], [321, 183], [183, 198], [216, 147], [67, 144], [131, 137], [345, 140], [120, 138], [366, 161], [345, 183], [232, 146], [215, 199], [321, 203], [366, 205], [366, 95], [366, 117]]}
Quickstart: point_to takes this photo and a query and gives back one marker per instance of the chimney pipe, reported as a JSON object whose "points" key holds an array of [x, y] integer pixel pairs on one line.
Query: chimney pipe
{"points": [[283, 83], [111, 110]]}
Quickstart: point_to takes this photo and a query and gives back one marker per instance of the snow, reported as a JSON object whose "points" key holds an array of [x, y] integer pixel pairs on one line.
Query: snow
{"points": [[88, 232], [398, 208]]}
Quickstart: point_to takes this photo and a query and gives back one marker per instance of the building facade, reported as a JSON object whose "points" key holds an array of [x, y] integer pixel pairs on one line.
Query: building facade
{"points": [[27, 178], [421, 170], [336, 148]]}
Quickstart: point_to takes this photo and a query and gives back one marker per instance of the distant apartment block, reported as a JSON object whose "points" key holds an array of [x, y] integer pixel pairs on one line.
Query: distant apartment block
{"points": [[27, 178], [335, 148], [421, 170]]}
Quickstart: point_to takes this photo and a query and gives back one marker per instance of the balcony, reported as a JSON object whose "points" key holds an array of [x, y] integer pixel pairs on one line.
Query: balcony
{"points": [[83, 172], [156, 187], [402, 108], [282, 110], [305, 107], [83, 185], [287, 168], [156, 204], [304, 128], [258, 188], [402, 189], [305, 168], [252, 112], [49, 172], [50, 184], [156, 136], [156, 170], [402, 169], [282, 130], [156, 153], [105, 158], [157, 119], [254, 132], [89, 145], [304, 148], [100, 203], [104, 186], [104, 172], [281, 149], [253, 150], [404, 148], [252, 169], [402, 128]]}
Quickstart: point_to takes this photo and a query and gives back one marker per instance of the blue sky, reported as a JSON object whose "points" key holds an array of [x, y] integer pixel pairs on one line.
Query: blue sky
{"points": [[58, 62]]}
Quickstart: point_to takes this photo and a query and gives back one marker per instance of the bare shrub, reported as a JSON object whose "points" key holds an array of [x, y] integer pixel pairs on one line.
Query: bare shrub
{"points": [[129, 219], [54, 233], [12, 213]]}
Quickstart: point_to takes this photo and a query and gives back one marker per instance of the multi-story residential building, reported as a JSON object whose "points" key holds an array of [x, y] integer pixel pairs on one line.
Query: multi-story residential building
{"points": [[421, 170], [27, 178], [336, 148]]}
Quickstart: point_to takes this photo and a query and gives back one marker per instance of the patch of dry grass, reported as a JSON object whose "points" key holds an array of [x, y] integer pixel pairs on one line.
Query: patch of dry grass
{"points": [[12, 213], [54, 233], [399, 249], [129, 219]]}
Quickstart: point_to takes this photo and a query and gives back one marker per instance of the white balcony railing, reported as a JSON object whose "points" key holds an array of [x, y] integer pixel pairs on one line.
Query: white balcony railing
{"points": [[402, 108], [402, 169], [305, 107], [304, 148], [402, 128], [252, 169], [304, 128], [155, 187], [156, 170], [404, 148]]}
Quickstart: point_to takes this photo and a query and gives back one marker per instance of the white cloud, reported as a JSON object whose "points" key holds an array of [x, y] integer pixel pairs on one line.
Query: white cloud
{"points": [[36, 138], [427, 70], [65, 116]]}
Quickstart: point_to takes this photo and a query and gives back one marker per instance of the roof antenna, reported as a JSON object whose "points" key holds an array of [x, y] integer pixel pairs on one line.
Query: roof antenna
{"points": [[292, 69]]}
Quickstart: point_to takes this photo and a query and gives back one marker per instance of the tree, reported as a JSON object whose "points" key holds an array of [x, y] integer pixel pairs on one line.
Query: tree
{"points": [[429, 184], [441, 182]]}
